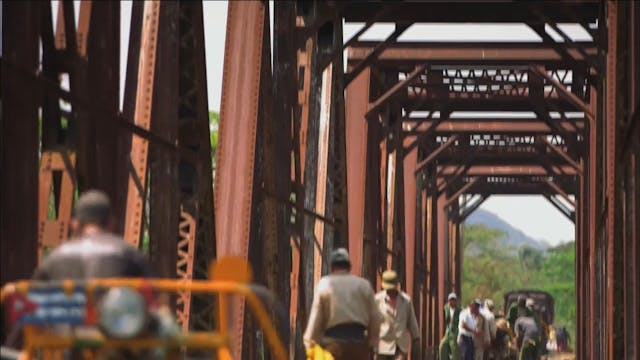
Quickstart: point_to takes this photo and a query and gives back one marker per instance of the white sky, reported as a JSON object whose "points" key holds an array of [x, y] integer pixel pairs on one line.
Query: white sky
{"points": [[532, 214]]}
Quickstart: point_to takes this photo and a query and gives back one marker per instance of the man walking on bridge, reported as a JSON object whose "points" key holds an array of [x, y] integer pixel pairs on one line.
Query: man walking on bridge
{"points": [[448, 349], [399, 324], [344, 318]]}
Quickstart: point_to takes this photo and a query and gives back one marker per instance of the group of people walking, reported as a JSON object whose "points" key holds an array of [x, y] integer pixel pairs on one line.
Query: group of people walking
{"points": [[474, 333], [469, 332], [347, 318], [351, 322]]}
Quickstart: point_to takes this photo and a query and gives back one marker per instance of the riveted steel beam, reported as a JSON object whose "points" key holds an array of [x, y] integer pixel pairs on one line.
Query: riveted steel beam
{"points": [[237, 133], [357, 101], [408, 53]]}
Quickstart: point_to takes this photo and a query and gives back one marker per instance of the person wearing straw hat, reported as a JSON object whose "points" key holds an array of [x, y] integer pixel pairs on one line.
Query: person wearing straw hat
{"points": [[399, 327], [449, 345]]}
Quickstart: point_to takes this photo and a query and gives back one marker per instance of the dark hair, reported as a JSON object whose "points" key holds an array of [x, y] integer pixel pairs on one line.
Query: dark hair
{"points": [[93, 207], [341, 265]]}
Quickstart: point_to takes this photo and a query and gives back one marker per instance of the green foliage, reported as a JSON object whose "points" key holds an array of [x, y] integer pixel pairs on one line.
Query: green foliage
{"points": [[490, 270], [214, 122]]}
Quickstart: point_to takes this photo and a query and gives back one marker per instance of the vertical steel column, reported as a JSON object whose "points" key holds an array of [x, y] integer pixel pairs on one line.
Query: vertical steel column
{"points": [[411, 237], [164, 199], [356, 128], [613, 320], [433, 271], [237, 133], [19, 141], [372, 201], [631, 189], [399, 216], [103, 74], [137, 182], [337, 201], [196, 248], [309, 242], [284, 89], [443, 256]]}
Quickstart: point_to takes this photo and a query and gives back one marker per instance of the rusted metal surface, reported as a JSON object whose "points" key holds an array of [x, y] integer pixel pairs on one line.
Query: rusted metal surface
{"points": [[407, 53], [284, 194], [236, 149], [52, 232], [164, 200], [357, 101], [610, 349], [136, 188], [410, 236], [99, 34], [19, 142], [284, 88], [184, 265]]}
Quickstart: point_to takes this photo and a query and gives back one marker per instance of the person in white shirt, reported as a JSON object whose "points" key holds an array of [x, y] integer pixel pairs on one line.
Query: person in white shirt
{"points": [[399, 325], [469, 327], [344, 318]]}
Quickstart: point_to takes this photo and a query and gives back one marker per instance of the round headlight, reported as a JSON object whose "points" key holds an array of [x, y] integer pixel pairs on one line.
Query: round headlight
{"points": [[122, 313]]}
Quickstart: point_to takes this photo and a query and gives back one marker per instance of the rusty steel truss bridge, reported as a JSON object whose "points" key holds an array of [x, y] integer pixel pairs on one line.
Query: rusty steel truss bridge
{"points": [[386, 158]]}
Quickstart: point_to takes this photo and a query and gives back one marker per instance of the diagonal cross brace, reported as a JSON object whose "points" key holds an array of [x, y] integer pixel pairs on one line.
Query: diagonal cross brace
{"points": [[373, 55], [571, 97], [563, 209], [422, 164], [563, 154], [462, 190], [401, 85]]}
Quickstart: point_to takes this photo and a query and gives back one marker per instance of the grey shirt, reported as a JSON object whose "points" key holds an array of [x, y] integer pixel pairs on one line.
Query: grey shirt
{"points": [[526, 328], [101, 255]]}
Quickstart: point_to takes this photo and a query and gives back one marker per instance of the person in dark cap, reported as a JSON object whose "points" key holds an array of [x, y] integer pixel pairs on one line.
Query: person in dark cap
{"points": [[399, 326], [448, 349], [344, 318], [94, 251]]}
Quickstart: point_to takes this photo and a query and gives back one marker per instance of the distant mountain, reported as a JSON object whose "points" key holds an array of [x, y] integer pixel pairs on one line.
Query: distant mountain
{"points": [[513, 237]]}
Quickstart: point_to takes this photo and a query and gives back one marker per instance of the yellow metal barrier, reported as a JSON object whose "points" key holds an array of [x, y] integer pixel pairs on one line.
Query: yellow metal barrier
{"points": [[36, 339]]}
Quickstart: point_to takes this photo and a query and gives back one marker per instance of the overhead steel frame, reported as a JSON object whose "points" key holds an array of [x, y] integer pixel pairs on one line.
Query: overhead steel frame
{"points": [[456, 156]]}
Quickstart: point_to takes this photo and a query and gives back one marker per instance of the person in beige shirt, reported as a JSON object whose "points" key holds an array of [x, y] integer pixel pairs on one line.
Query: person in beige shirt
{"points": [[399, 327], [344, 318]]}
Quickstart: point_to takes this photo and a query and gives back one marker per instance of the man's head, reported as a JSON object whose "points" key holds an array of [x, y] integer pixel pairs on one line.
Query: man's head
{"points": [[530, 303], [521, 300], [474, 307], [390, 282], [452, 299], [339, 260], [92, 209], [488, 303]]}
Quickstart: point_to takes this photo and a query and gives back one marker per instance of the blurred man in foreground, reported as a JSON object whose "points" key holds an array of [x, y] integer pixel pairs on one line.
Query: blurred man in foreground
{"points": [[344, 318], [94, 251]]}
